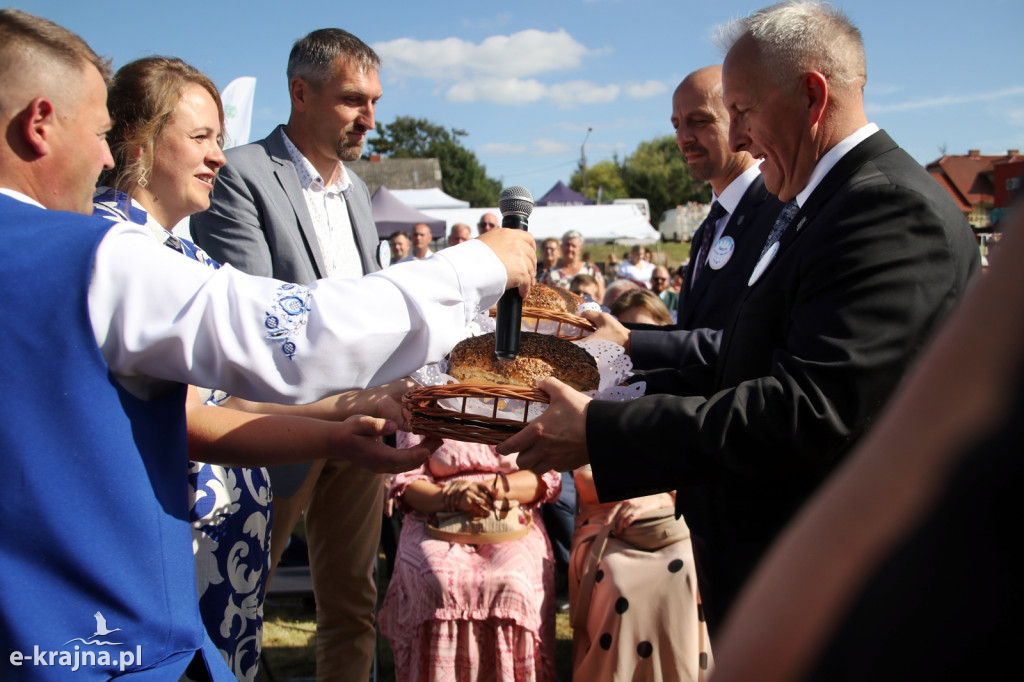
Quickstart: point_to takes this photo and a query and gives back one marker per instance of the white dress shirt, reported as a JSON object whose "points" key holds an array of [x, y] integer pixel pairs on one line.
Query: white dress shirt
{"points": [[730, 199], [638, 272], [328, 207], [831, 158]]}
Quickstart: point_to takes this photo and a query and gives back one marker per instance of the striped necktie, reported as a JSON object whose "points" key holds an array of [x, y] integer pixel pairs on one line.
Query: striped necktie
{"points": [[707, 236]]}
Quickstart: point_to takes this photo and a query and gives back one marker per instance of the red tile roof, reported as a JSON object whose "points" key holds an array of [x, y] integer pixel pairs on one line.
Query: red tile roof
{"points": [[941, 178], [968, 178]]}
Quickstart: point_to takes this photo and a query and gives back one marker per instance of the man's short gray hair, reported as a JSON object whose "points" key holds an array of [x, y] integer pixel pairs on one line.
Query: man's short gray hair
{"points": [[799, 35], [572, 234], [312, 58]]}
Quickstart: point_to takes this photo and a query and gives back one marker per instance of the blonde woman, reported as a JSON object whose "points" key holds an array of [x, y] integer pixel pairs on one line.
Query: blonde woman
{"points": [[573, 264]]}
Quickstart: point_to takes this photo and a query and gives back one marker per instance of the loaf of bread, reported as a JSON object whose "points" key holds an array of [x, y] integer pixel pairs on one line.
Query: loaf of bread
{"points": [[557, 299], [540, 355]]}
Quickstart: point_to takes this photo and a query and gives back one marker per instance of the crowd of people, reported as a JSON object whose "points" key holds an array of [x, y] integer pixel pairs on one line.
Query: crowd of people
{"points": [[760, 512]]}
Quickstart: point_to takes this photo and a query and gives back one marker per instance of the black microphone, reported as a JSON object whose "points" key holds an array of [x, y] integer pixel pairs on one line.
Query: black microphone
{"points": [[516, 205]]}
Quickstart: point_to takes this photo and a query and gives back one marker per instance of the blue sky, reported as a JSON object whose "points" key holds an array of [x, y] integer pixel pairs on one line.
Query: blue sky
{"points": [[526, 80]]}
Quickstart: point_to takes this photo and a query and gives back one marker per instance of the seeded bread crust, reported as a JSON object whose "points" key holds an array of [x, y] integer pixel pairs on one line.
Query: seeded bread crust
{"points": [[540, 356], [558, 299]]}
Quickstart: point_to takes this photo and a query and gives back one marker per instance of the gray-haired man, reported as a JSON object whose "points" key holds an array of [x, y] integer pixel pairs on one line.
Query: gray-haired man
{"points": [[286, 206]]}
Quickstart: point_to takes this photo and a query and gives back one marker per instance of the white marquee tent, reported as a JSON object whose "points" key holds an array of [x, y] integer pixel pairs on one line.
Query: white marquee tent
{"points": [[428, 198], [602, 223]]}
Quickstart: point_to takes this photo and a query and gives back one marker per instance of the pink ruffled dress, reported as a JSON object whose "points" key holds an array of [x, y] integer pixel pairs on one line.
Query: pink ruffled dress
{"points": [[466, 612]]}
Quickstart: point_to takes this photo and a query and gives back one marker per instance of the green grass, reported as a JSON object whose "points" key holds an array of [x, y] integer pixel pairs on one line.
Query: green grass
{"points": [[671, 254], [289, 641]]}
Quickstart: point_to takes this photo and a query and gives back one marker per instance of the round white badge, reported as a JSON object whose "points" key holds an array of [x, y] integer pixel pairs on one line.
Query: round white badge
{"points": [[384, 254], [721, 252], [762, 263]]}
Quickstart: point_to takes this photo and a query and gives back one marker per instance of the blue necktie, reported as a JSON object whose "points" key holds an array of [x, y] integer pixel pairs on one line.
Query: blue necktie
{"points": [[781, 223], [707, 236]]}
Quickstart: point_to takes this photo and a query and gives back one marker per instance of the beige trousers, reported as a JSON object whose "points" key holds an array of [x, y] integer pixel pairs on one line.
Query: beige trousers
{"points": [[344, 506]]}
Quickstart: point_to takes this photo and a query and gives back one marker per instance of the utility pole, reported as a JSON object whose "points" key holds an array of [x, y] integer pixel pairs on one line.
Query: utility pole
{"points": [[583, 159]]}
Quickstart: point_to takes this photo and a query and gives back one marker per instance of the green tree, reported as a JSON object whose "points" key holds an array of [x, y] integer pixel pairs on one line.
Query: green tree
{"points": [[656, 171], [606, 176], [462, 175]]}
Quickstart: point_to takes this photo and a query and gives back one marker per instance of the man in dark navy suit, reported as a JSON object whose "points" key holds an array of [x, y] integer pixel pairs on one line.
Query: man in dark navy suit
{"points": [[723, 253], [725, 247], [868, 256]]}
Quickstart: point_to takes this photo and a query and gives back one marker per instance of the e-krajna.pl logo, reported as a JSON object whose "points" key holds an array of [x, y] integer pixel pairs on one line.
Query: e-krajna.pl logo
{"points": [[83, 655]]}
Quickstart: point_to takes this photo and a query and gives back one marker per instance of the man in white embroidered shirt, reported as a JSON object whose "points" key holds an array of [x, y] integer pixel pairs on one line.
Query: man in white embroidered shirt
{"points": [[107, 341], [286, 206]]}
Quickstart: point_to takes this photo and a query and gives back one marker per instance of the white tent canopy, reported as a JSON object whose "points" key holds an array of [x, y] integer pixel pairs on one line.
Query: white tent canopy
{"points": [[603, 223], [428, 198]]}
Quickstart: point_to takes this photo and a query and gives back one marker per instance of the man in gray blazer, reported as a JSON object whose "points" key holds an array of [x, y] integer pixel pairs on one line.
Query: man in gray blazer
{"points": [[287, 207]]}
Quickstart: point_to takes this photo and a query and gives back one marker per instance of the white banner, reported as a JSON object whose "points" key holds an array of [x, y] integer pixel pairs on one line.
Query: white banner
{"points": [[237, 98]]}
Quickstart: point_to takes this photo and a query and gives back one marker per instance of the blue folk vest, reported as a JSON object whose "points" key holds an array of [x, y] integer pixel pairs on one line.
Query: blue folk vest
{"points": [[96, 569]]}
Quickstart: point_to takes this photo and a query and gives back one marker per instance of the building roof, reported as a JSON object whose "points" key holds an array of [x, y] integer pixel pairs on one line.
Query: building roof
{"points": [[968, 178], [397, 173]]}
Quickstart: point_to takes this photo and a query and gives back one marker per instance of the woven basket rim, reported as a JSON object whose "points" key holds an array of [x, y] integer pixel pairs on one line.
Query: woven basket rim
{"points": [[538, 314], [430, 419]]}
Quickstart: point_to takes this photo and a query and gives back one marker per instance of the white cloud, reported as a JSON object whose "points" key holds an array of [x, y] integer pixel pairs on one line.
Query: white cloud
{"points": [[549, 147], [501, 148], [505, 69], [513, 91], [948, 100], [574, 93], [500, 91], [518, 55], [645, 90]]}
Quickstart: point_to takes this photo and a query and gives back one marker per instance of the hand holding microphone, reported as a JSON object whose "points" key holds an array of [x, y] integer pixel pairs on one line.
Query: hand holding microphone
{"points": [[516, 205], [517, 252]]}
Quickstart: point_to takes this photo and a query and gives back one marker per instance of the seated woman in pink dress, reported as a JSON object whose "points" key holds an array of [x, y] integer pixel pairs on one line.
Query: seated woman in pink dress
{"points": [[470, 611]]}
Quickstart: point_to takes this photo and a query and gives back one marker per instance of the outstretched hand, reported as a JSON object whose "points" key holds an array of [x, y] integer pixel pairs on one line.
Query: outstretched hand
{"points": [[358, 440], [558, 438], [608, 328], [518, 253]]}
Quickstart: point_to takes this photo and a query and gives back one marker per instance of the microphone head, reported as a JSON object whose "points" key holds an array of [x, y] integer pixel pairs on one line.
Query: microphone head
{"points": [[516, 199]]}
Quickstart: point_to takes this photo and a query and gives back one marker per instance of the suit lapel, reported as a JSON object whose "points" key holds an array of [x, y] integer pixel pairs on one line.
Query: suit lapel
{"points": [[833, 181], [752, 198], [289, 180], [364, 229], [839, 174]]}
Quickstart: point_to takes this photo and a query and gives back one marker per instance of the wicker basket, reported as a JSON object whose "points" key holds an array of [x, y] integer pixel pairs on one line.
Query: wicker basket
{"points": [[431, 419], [566, 326]]}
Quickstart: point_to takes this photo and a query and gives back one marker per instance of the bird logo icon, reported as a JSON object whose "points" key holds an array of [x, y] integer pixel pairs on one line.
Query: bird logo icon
{"points": [[101, 631], [101, 626]]}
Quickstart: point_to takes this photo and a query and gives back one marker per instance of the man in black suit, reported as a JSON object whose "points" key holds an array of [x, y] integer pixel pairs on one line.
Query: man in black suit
{"points": [[725, 247], [842, 299]]}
